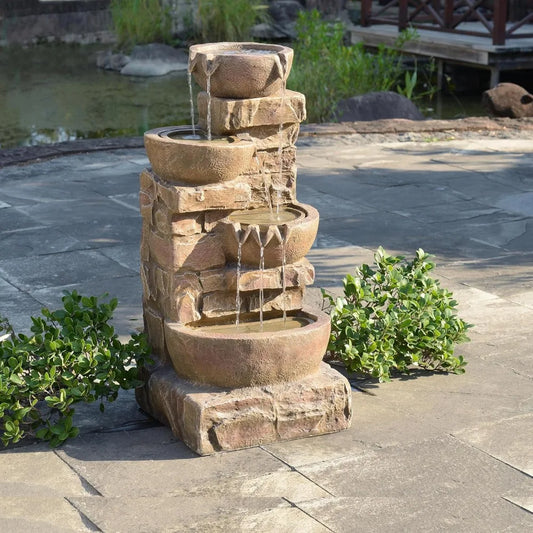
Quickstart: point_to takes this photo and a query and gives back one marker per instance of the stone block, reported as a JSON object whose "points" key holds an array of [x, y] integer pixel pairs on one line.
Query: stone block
{"points": [[216, 304], [192, 252], [188, 199], [184, 299], [209, 419], [296, 275], [215, 280], [169, 223], [275, 300], [230, 116], [212, 218], [153, 327]]}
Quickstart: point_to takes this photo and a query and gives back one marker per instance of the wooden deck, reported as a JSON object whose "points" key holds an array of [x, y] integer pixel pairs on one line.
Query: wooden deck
{"points": [[468, 50]]}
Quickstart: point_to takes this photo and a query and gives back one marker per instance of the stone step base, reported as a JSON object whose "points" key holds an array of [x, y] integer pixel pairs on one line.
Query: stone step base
{"points": [[210, 419]]}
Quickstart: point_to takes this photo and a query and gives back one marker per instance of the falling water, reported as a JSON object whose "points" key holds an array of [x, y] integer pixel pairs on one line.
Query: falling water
{"points": [[238, 296], [261, 290], [278, 202], [283, 281], [208, 105], [189, 81], [265, 183]]}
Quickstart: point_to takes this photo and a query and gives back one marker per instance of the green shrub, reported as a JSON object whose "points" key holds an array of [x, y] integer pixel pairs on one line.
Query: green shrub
{"points": [[229, 20], [73, 355], [395, 316], [327, 71], [140, 21]]}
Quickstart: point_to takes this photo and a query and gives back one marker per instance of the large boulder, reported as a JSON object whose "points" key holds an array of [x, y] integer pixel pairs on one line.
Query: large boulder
{"points": [[376, 106], [508, 100]]}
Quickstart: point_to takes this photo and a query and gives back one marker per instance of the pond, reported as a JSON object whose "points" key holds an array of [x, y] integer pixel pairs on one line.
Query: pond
{"points": [[56, 93]]}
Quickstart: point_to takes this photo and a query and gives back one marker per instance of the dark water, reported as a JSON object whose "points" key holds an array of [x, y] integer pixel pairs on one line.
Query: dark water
{"points": [[56, 93], [51, 94]]}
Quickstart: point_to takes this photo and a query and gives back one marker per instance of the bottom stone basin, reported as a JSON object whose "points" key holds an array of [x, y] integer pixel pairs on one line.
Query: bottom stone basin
{"points": [[225, 355]]}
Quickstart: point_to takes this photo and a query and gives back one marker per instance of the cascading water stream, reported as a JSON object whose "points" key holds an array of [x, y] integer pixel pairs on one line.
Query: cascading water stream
{"points": [[238, 293], [283, 281], [265, 183], [208, 118], [261, 285], [189, 81]]}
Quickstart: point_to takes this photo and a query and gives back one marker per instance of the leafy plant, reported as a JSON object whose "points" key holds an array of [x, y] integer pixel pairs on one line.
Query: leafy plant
{"points": [[394, 316], [140, 21], [326, 70], [72, 356], [225, 20]]}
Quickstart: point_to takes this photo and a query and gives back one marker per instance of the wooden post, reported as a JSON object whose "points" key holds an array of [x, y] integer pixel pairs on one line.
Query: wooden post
{"points": [[403, 15], [499, 21], [448, 13], [366, 12]]}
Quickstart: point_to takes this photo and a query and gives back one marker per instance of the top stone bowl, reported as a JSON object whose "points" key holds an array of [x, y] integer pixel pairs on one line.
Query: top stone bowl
{"points": [[240, 70]]}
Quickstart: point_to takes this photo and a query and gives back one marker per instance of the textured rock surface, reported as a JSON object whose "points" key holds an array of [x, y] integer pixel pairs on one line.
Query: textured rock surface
{"points": [[376, 106], [230, 116], [208, 419], [237, 75], [508, 100]]}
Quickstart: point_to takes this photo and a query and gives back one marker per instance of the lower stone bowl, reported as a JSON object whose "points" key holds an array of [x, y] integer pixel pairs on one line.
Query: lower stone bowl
{"points": [[225, 356], [176, 155], [286, 236]]}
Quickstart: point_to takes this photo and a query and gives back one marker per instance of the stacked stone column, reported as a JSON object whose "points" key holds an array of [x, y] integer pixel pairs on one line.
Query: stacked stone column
{"points": [[187, 279]]}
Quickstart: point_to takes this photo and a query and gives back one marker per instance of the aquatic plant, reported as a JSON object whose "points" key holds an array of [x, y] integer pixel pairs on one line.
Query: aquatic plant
{"points": [[327, 70], [140, 21]]}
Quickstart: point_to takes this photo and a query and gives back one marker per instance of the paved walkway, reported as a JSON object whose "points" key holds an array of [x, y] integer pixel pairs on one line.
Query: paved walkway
{"points": [[425, 453]]}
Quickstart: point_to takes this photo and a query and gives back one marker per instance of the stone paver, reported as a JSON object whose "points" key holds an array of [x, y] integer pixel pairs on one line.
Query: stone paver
{"points": [[428, 452]]}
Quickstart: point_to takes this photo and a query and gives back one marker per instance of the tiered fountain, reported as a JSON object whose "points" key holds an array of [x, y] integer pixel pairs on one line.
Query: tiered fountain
{"points": [[237, 358]]}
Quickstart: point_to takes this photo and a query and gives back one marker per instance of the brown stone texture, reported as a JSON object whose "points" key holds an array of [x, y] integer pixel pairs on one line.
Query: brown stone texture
{"points": [[234, 359], [233, 74], [192, 252], [233, 116], [190, 162], [209, 419], [153, 327], [297, 238]]}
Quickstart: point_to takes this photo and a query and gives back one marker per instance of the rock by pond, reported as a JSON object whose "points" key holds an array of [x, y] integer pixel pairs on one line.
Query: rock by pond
{"points": [[376, 106], [154, 59]]}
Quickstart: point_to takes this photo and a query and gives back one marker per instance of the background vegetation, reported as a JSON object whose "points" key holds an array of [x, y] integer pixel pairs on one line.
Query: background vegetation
{"points": [[326, 70]]}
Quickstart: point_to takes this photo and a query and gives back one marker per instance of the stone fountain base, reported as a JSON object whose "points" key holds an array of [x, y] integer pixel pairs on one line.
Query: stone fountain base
{"points": [[210, 419]]}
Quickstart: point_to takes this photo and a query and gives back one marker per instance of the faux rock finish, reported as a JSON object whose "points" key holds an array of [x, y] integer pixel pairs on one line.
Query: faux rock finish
{"points": [[229, 390], [209, 419]]}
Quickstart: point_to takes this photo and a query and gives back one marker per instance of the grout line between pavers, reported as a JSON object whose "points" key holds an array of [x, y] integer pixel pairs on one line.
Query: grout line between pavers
{"points": [[294, 469], [296, 506], [84, 518], [91, 489], [470, 445], [521, 507]]}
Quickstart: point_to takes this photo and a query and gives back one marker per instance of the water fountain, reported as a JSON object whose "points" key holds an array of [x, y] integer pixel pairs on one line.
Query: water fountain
{"points": [[237, 357]]}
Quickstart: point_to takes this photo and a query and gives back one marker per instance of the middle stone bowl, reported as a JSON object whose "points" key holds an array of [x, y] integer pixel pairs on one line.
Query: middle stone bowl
{"points": [[283, 235], [177, 155]]}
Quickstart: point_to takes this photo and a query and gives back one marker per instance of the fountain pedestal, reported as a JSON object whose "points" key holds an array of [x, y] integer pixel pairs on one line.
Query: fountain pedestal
{"points": [[205, 261]]}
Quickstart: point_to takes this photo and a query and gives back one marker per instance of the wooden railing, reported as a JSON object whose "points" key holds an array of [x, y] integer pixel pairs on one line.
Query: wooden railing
{"points": [[498, 19]]}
